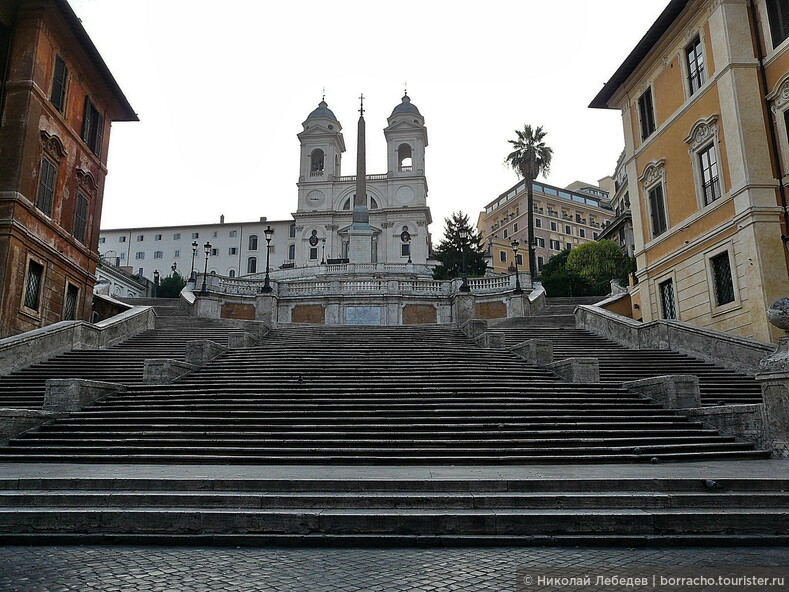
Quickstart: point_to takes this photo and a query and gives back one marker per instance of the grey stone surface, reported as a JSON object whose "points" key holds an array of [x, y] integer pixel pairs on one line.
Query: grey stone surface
{"points": [[201, 351], [266, 309], [72, 394], [473, 328], [490, 340], [583, 370], [241, 340], [16, 421], [672, 392], [779, 360], [778, 313], [743, 421], [535, 351], [165, 371], [463, 307], [775, 393], [363, 315]]}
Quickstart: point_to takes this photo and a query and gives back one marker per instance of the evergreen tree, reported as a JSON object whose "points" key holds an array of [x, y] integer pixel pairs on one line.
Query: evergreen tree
{"points": [[171, 286], [455, 250]]}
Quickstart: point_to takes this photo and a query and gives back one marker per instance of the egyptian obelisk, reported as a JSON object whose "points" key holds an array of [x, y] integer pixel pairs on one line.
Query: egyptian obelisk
{"points": [[360, 234]]}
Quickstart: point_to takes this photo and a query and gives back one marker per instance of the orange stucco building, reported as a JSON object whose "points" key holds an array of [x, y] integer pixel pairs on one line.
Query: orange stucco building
{"points": [[704, 99], [58, 99]]}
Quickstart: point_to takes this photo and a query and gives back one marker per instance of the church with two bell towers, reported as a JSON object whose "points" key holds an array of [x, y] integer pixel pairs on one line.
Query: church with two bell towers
{"points": [[390, 223]]}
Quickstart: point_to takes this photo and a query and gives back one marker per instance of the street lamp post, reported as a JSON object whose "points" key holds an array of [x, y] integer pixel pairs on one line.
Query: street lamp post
{"points": [[156, 283], [192, 274], [464, 287], [517, 290], [207, 249], [266, 289]]}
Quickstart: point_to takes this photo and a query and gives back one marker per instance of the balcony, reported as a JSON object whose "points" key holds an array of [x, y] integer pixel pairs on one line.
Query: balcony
{"points": [[316, 173], [406, 169]]}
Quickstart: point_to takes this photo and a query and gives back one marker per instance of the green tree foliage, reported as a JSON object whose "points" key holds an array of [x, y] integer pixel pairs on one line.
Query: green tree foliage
{"points": [[171, 286], [454, 248], [559, 281], [598, 263], [530, 157]]}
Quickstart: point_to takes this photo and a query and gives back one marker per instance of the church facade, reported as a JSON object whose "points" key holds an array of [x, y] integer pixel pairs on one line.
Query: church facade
{"points": [[396, 200]]}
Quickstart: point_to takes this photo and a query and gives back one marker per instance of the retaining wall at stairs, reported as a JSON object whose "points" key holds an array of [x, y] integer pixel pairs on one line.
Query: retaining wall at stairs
{"points": [[35, 346]]}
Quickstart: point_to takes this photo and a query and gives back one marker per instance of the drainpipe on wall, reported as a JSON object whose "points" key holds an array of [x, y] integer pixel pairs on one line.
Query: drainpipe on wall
{"points": [[771, 121]]}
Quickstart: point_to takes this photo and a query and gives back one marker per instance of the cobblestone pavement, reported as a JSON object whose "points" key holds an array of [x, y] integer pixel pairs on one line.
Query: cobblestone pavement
{"points": [[189, 569]]}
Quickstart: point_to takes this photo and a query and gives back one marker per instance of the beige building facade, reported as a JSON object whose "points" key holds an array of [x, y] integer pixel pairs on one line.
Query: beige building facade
{"points": [[563, 218], [704, 99]]}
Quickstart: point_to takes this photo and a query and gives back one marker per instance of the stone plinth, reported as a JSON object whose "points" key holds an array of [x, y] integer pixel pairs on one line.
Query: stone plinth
{"points": [[535, 351], [490, 340], [473, 328], [360, 245], [201, 351], [14, 422], [742, 421], [585, 370], [677, 391], [165, 371], [72, 394], [775, 393]]}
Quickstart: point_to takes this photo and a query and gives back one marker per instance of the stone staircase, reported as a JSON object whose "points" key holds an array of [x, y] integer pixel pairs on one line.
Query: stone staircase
{"points": [[387, 509], [373, 395], [718, 385], [24, 389]]}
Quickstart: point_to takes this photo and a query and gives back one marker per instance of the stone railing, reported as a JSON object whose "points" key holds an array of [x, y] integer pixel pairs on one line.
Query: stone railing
{"points": [[386, 284], [35, 346], [714, 346], [345, 178]]}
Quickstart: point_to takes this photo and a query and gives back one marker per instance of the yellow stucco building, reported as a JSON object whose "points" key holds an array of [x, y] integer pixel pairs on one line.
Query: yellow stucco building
{"points": [[704, 98]]}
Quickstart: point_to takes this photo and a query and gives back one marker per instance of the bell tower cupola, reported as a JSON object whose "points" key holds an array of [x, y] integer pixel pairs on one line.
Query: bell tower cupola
{"points": [[406, 139], [322, 145]]}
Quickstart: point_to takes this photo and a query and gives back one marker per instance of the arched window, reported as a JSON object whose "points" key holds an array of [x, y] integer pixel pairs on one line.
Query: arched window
{"points": [[371, 203], [252, 265], [253, 242], [404, 160], [231, 273], [291, 252], [292, 231], [316, 162]]}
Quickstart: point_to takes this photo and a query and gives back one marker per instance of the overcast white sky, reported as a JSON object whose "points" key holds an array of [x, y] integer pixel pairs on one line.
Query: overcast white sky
{"points": [[222, 89]]}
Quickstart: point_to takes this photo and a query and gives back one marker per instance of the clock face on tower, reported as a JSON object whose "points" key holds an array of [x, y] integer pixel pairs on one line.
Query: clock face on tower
{"points": [[315, 198]]}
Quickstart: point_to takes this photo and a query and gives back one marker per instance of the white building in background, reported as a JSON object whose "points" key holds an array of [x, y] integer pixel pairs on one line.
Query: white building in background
{"points": [[318, 232]]}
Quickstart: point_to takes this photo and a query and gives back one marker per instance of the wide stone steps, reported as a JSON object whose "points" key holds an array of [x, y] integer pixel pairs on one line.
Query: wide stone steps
{"points": [[370, 510], [718, 385]]}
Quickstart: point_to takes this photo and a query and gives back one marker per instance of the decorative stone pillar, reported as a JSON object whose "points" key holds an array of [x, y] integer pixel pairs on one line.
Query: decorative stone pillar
{"points": [[774, 379], [463, 306], [266, 309]]}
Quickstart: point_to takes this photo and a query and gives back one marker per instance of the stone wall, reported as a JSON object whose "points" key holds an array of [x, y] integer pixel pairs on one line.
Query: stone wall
{"points": [[416, 314], [309, 313]]}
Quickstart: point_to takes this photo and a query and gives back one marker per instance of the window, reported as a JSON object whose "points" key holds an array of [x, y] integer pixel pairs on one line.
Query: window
{"points": [[253, 242], [177, 253], [555, 245], [657, 211], [314, 253], [519, 259], [582, 233], [568, 246], [72, 297], [157, 237], [158, 254], [567, 229], [214, 252], [666, 293], [540, 242], [35, 276], [46, 186], [503, 256], [786, 124], [292, 231], [177, 236], [553, 226], [102, 240], [140, 272], [139, 255], [646, 114], [778, 15], [252, 265], [121, 239], [81, 218], [505, 233], [540, 263], [694, 60], [233, 233], [92, 127], [232, 251], [537, 223], [216, 234], [58, 95], [231, 273], [195, 235], [708, 167], [121, 256], [291, 252], [140, 238], [595, 235], [721, 278], [515, 228], [405, 250]]}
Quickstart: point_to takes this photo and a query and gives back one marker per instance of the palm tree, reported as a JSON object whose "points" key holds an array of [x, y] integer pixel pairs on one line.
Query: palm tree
{"points": [[530, 158]]}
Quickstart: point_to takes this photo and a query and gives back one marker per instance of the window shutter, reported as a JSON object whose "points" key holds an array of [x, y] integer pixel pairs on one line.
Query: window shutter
{"points": [[87, 120]]}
